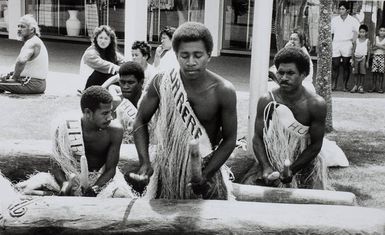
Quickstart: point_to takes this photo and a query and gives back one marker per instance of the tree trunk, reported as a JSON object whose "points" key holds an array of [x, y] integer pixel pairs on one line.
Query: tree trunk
{"points": [[279, 23], [81, 215], [324, 63]]}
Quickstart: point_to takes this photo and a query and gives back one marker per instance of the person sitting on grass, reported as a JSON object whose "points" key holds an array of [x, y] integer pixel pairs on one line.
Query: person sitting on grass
{"points": [[86, 152], [102, 59], [31, 68]]}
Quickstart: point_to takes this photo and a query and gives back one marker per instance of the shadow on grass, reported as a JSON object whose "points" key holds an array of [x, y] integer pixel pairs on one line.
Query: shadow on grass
{"points": [[356, 191], [362, 147]]}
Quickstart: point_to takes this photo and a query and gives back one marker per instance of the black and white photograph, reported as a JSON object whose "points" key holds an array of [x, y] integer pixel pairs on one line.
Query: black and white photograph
{"points": [[192, 117]]}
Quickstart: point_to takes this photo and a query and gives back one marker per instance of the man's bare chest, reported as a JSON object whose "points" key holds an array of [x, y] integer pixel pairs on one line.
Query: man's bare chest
{"points": [[301, 114], [205, 106], [97, 142]]}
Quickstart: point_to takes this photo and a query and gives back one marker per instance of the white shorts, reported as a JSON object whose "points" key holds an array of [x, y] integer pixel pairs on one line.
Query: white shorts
{"points": [[343, 48]]}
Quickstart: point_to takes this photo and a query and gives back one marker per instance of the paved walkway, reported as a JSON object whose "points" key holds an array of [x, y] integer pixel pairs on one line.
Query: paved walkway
{"points": [[65, 58]]}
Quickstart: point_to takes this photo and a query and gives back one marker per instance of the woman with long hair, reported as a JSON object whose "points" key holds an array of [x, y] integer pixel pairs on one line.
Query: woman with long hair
{"points": [[101, 60]]}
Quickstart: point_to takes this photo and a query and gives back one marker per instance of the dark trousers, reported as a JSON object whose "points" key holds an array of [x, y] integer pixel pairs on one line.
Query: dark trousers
{"points": [[97, 79], [336, 63]]}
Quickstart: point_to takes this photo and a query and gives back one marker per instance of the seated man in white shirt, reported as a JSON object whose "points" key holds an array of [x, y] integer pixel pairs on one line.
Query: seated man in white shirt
{"points": [[31, 67]]}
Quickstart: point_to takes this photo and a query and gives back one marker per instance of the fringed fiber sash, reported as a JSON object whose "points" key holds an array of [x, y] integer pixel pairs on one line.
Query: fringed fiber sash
{"points": [[176, 126], [68, 145], [285, 138], [126, 113]]}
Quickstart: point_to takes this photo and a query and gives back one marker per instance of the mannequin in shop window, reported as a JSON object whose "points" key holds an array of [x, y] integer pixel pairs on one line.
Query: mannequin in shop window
{"points": [[101, 60]]}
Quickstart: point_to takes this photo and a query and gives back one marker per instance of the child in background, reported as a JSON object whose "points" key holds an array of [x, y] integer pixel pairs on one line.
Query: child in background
{"points": [[360, 58], [378, 66]]}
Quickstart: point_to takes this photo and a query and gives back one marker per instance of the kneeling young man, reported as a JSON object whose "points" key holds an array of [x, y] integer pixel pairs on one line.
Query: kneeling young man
{"points": [[190, 103], [131, 77], [290, 126], [85, 153], [96, 137]]}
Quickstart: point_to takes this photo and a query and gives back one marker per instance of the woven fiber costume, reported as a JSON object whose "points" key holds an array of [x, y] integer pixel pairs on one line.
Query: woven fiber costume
{"points": [[68, 147], [176, 125], [126, 114], [285, 138]]}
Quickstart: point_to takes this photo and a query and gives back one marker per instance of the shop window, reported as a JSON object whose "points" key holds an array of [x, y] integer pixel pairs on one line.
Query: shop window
{"points": [[238, 24], [4, 17], [163, 13], [76, 19], [304, 14]]}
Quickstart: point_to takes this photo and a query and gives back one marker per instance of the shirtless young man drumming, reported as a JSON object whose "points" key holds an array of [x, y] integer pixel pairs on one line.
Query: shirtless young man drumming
{"points": [[191, 103], [97, 137], [290, 126]]}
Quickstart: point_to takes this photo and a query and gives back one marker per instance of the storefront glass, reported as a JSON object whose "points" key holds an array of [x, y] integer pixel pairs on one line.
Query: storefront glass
{"points": [[163, 13], [73, 18], [4, 17], [304, 14], [238, 24]]}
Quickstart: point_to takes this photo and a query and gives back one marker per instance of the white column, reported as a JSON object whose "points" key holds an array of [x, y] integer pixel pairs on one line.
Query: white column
{"points": [[135, 24], [14, 14], [260, 53], [213, 21]]}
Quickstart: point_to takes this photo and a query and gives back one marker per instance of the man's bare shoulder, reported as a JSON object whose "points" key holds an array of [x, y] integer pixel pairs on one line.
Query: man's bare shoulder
{"points": [[222, 85], [316, 104], [115, 129]]}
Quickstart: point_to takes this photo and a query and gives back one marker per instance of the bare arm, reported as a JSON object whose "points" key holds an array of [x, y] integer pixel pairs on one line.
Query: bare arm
{"points": [[258, 144], [229, 131], [158, 53], [147, 108], [316, 131], [112, 160], [26, 54], [368, 54]]}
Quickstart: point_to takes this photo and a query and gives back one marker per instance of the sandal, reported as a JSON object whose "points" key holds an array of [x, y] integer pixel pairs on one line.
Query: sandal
{"points": [[360, 89], [354, 89]]}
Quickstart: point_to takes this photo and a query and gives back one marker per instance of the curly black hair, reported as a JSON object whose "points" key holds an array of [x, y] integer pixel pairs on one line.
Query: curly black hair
{"points": [[144, 48], [293, 55], [93, 96]]}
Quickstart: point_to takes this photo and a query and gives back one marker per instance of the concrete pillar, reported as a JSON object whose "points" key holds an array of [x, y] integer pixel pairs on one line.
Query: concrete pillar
{"points": [[260, 53], [135, 24], [213, 21], [14, 13]]}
